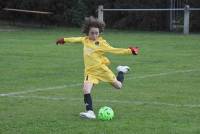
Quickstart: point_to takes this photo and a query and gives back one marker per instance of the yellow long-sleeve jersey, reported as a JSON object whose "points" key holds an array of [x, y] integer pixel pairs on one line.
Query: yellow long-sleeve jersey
{"points": [[93, 52]]}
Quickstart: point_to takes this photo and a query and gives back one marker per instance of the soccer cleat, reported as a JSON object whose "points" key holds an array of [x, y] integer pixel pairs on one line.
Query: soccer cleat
{"points": [[123, 69], [88, 115]]}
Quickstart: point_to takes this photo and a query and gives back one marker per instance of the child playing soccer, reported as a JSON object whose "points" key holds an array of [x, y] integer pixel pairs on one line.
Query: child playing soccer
{"points": [[96, 68]]}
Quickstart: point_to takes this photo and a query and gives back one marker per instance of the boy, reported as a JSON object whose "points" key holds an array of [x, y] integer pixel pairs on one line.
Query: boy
{"points": [[95, 62]]}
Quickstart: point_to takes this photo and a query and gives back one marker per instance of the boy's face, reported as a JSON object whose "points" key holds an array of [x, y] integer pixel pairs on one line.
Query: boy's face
{"points": [[93, 33]]}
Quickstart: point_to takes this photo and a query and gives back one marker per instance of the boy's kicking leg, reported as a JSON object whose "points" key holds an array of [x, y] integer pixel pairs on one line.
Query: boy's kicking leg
{"points": [[87, 87], [120, 76]]}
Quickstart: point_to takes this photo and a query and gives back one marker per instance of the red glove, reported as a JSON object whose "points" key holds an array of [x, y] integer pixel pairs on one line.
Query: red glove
{"points": [[60, 41], [134, 50]]}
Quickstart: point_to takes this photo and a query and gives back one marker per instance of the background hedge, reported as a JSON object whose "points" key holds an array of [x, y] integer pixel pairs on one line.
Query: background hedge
{"points": [[72, 13]]}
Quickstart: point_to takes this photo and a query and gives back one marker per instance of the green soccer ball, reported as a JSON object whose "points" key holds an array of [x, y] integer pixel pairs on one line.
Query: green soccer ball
{"points": [[105, 113]]}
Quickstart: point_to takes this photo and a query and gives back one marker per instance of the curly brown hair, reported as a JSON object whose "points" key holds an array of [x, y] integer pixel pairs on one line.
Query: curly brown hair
{"points": [[92, 22]]}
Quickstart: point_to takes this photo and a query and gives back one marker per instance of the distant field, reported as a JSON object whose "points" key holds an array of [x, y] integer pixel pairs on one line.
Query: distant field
{"points": [[40, 84]]}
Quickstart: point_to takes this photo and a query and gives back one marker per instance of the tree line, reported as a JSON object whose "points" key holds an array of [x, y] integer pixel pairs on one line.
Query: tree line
{"points": [[73, 12]]}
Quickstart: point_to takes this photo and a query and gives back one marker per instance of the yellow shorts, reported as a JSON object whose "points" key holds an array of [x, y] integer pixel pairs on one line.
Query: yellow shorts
{"points": [[101, 73]]}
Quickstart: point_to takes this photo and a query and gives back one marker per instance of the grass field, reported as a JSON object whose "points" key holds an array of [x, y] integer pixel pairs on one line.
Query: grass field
{"points": [[40, 84]]}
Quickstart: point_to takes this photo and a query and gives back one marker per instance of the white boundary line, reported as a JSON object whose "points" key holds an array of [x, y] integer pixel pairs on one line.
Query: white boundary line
{"points": [[40, 89], [19, 94], [162, 74], [112, 101], [79, 84]]}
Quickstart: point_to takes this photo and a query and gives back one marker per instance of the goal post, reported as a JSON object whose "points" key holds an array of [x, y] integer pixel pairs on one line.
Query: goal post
{"points": [[186, 9], [186, 27], [100, 12]]}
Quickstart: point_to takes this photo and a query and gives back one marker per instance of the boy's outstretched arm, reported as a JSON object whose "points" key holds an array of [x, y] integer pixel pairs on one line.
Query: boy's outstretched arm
{"points": [[110, 49], [62, 41]]}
